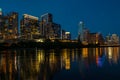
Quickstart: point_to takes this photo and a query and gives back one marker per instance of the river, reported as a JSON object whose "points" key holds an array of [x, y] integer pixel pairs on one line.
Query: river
{"points": [[60, 64]]}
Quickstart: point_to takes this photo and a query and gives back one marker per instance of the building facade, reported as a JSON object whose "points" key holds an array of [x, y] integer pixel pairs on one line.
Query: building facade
{"points": [[95, 38], [62, 34], [9, 25], [48, 28], [67, 35], [12, 25], [29, 26], [112, 39], [46, 19], [2, 23]]}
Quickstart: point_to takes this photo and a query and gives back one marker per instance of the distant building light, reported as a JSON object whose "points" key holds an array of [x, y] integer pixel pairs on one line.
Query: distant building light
{"points": [[67, 32], [81, 22], [39, 40], [96, 42], [30, 16]]}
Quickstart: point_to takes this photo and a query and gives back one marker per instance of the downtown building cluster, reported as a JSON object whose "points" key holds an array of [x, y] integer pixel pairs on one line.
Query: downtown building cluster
{"points": [[112, 39], [31, 27], [86, 37]]}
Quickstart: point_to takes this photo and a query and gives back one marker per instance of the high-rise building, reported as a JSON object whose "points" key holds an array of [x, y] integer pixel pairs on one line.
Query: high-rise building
{"points": [[68, 35], [0, 11], [108, 38], [57, 31], [115, 39], [2, 23], [112, 39], [29, 26], [13, 24], [48, 28], [86, 36], [81, 31], [62, 34], [95, 38], [9, 26], [52, 31], [46, 19], [100, 38]]}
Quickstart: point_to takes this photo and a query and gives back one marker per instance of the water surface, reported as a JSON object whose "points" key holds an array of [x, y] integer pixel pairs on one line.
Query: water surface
{"points": [[60, 64]]}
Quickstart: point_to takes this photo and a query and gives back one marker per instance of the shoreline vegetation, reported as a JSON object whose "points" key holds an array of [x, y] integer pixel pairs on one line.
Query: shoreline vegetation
{"points": [[48, 44]]}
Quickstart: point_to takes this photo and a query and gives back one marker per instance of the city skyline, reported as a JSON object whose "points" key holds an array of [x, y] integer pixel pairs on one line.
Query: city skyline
{"points": [[99, 16], [31, 27]]}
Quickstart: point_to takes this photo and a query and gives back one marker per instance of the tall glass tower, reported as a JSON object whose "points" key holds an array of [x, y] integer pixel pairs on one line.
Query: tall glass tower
{"points": [[0, 11], [81, 31], [1, 24], [45, 20]]}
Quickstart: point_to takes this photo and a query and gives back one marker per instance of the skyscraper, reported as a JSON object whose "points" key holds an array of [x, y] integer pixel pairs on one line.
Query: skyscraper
{"points": [[29, 26], [62, 34], [48, 28], [0, 11], [115, 39], [86, 37], [95, 38], [9, 25], [45, 20], [13, 24], [81, 31], [1, 24], [68, 35]]}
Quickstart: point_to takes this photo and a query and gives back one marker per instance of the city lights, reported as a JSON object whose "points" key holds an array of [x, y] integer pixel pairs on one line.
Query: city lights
{"points": [[44, 28]]}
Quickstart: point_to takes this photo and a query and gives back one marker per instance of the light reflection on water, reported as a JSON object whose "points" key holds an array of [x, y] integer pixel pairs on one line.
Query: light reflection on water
{"points": [[59, 64]]}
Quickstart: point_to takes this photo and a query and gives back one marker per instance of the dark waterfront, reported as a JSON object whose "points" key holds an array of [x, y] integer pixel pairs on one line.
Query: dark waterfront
{"points": [[60, 64]]}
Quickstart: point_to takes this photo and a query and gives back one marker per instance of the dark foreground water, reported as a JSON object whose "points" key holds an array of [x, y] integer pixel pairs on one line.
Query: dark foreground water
{"points": [[60, 64]]}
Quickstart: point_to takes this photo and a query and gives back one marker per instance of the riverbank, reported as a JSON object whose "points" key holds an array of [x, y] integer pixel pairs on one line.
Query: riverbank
{"points": [[50, 45], [45, 45]]}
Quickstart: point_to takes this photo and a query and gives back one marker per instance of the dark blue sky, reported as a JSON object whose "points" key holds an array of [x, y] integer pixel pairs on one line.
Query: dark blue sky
{"points": [[98, 15]]}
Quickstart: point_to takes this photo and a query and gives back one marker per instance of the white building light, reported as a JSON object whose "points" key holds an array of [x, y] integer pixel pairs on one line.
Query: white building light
{"points": [[30, 16]]}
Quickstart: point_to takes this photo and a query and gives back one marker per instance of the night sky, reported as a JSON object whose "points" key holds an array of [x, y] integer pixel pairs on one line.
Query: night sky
{"points": [[98, 15]]}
